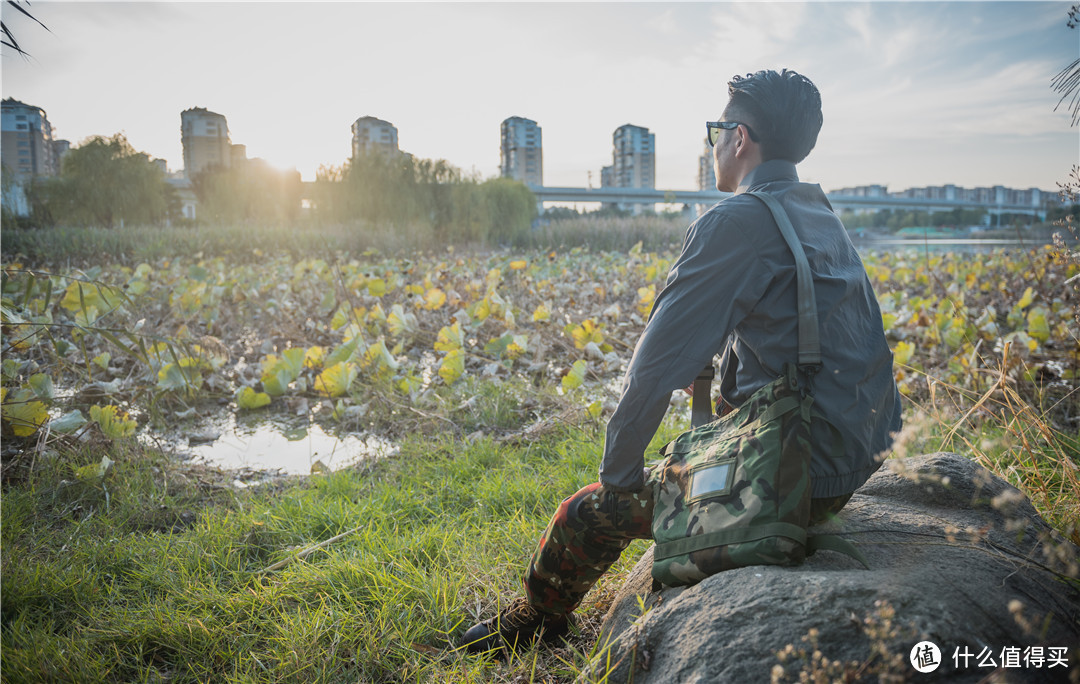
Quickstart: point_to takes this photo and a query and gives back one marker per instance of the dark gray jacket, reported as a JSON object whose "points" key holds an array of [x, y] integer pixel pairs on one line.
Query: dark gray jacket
{"points": [[732, 292]]}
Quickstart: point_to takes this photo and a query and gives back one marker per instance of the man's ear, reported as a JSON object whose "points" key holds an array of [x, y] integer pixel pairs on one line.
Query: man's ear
{"points": [[745, 147], [742, 142]]}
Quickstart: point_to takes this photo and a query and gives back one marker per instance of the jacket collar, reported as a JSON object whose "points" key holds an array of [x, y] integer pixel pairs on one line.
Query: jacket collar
{"points": [[767, 172]]}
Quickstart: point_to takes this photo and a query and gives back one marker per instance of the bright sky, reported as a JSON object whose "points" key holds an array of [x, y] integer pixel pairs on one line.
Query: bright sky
{"points": [[915, 93]]}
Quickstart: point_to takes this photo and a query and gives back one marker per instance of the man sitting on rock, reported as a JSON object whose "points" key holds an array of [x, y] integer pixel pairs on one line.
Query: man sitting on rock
{"points": [[732, 291]]}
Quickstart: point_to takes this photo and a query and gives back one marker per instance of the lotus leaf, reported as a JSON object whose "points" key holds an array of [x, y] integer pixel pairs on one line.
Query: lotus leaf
{"points": [[248, 398], [450, 338], [576, 377], [336, 379], [42, 385], [23, 413], [114, 422], [453, 366], [68, 423]]}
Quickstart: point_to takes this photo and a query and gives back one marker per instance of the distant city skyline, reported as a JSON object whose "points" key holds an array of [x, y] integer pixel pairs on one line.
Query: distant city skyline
{"points": [[915, 94]]}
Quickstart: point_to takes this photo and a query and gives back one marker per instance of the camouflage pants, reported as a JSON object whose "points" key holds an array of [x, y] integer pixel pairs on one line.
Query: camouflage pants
{"points": [[587, 535]]}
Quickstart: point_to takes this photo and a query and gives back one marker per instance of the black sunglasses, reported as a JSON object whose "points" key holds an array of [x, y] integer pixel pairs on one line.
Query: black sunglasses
{"points": [[713, 128]]}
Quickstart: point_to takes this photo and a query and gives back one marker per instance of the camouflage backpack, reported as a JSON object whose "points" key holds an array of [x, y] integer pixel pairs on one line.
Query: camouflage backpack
{"points": [[736, 491]]}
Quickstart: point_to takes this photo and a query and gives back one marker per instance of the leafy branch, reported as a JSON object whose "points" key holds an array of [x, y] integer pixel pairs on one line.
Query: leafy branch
{"points": [[9, 37]]}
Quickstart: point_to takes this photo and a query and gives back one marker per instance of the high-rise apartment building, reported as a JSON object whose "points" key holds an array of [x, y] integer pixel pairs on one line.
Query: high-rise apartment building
{"points": [[607, 176], [633, 160], [205, 136], [634, 157], [521, 153], [706, 177], [27, 147], [373, 135]]}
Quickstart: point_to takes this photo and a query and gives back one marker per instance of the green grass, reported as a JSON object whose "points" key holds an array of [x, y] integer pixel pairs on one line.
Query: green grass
{"points": [[155, 574]]}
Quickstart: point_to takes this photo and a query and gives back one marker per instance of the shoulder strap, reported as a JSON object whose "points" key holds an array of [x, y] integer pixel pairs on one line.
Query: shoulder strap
{"points": [[809, 337], [832, 542]]}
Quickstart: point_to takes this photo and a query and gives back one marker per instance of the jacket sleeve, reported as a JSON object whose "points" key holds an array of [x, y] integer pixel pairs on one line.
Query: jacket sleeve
{"points": [[713, 284]]}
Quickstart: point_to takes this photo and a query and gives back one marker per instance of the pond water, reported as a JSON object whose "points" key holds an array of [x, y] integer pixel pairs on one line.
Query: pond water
{"points": [[272, 444]]}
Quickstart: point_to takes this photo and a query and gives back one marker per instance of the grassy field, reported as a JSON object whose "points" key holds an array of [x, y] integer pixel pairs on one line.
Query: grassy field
{"points": [[159, 574], [492, 370]]}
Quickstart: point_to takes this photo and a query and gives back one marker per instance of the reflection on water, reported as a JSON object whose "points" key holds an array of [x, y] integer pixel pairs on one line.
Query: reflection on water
{"points": [[284, 444]]}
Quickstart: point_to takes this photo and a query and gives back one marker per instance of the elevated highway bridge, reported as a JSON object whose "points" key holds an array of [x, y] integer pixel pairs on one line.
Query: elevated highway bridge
{"points": [[709, 197]]}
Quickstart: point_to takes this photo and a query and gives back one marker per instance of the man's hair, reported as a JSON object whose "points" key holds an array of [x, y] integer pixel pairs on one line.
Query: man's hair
{"points": [[783, 110]]}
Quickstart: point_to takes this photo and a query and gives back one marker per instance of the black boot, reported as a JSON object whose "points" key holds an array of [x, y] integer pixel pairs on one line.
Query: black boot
{"points": [[515, 627]]}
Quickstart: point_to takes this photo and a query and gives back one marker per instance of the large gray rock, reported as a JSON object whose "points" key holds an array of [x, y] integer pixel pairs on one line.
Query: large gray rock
{"points": [[957, 556]]}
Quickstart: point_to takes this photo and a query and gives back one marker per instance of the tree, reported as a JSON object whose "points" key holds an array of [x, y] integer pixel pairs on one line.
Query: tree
{"points": [[250, 190], [427, 199], [511, 209], [105, 182], [1067, 82]]}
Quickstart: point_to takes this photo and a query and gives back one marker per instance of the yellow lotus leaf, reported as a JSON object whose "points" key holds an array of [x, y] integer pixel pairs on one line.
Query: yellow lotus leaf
{"points": [[450, 338], [291, 361], [646, 297], [352, 332], [595, 409], [1025, 301], [379, 358], [340, 318], [482, 310], [22, 337], [181, 377], [542, 313], [902, 353], [313, 357], [453, 366], [586, 333], [410, 385], [24, 414], [376, 287], [434, 299], [113, 421], [336, 380], [1038, 326], [953, 335], [576, 377], [86, 317], [400, 322], [377, 315], [94, 471], [518, 347], [158, 353], [248, 398], [80, 295]]}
